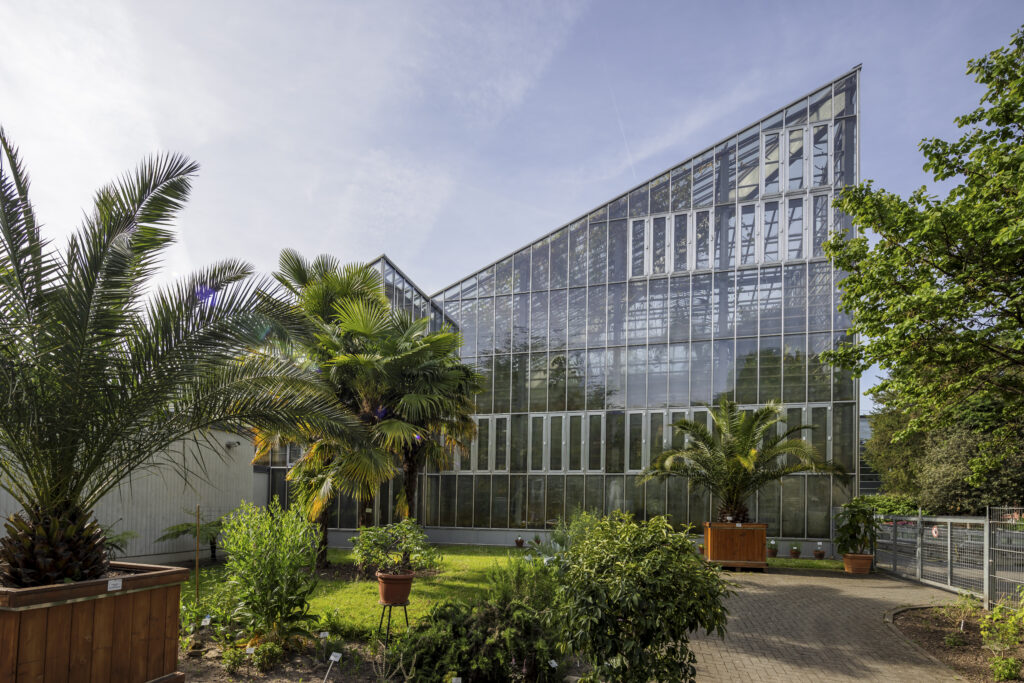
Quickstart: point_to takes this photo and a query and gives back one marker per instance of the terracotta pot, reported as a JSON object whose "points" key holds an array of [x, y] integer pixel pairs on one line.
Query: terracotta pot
{"points": [[519, 542], [394, 588], [773, 552], [819, 554], [855, 563], [794, 553]]}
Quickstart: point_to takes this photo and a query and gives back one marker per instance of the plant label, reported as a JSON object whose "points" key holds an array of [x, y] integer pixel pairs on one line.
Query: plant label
{"points": [[553, 664], [335, 656], [206, 620], [249, 650], [114, 585], [456, 679], [739, 524], [323, 635]]}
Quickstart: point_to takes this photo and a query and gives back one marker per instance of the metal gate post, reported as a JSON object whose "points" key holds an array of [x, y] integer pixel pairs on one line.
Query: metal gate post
{"points": [[895, 554], [920, 545], [949, 554], [985, 551]]}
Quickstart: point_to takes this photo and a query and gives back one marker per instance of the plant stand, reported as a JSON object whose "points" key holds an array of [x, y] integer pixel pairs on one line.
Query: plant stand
{"points": [[388, 607], [740, 546]]}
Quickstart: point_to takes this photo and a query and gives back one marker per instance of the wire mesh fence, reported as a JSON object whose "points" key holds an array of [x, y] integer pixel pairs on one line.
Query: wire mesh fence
{"points": [[979, 555]]}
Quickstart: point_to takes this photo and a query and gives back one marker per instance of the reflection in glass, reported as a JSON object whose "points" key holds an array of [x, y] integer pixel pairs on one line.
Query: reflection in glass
{"points": [[636, 377], [557, 320], [700, 307], [748, 237], [819, 377], [660, 194], [536, 509], [818, 489], [615, 387], [681, 188], [502, 382], [578, 254], [679, 263], [617, 248], [658, 245], [794, 368], [821, 105], [538, 321], [575, 380], [577, 317], [556, 494], [770, 372], [539, 381], [634, 497], [746, 303], [637, 312], [843, 153], [483, 429], [679, 308], [846, 96], [842, 378], [576, 442], [482, 501], [519, 433], [797, 114], [657, 310], [596, 311], [793, 506], [795, 173], [500, 443], [573, 495], [725, 304], [703, 180], [617, 209], [616, 304], [724, 370], [598, 260], [556, 443], [702, 237], [771, 232], [748, 166], [819, 232], [795, 294], [556, 381], [520, 375], [521, 322], [502, 278], [613, 494], [768, 507], [638, 202], [679, 375], [746, 370], [819, 296], [637, 241], [819, 162], [521, 272], [559, 258], [595, 379], [594, 440], [771, 163], [725, 173], [517, 502], [844, 435], [725, 236], [464, 516]]}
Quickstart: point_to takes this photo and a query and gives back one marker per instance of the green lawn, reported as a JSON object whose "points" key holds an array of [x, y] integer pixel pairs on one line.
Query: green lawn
{"points": [[805, 563]]}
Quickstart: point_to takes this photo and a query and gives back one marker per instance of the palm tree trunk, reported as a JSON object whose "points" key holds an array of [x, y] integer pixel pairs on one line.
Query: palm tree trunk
{"points": [[409, 471], [735, 512]]}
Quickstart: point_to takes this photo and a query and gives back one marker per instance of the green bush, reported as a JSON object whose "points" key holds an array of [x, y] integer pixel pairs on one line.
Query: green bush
{"points": [[232, 658], [394, 548], [270, 552], [1005, 668], [897, 504], [629, 596], [856, 528], [267, 655], [507, 636]]}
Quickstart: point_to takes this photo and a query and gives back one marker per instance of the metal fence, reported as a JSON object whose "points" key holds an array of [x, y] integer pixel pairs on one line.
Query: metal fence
{"points": [[979, 555]]}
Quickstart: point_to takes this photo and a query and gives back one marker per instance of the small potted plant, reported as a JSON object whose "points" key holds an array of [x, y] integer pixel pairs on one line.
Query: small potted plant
{"points": [[794, 550], [773, 549], [519, 541], [856, 533], [394, 552], [819, 552]]}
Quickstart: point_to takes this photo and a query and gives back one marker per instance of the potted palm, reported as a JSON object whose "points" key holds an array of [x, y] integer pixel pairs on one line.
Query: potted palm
{"points": [[742, 454], [102, 371], [394, 553], [856, 534]]}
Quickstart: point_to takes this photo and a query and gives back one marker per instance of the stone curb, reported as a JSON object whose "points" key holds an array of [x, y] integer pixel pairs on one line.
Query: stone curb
{"points": [[888, 619]]}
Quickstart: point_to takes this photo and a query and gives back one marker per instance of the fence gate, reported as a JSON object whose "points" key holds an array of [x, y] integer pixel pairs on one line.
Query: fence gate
{"points": [[979, 555]]}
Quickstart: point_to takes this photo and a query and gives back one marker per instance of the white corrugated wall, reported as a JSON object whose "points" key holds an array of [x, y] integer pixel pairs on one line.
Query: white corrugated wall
{"points": [[168, 494]]}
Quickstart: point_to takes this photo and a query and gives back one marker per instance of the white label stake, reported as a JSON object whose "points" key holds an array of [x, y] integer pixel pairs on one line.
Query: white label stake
{"points": [[206, 620], [114, 585], [335, 657], [249, 650]]}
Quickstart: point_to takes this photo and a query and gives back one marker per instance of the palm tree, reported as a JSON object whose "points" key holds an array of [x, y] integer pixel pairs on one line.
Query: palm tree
{"points": [[735, 459], [100, 370]]}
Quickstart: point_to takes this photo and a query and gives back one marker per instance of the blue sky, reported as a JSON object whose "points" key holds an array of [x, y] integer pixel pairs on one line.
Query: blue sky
{"points": [[448, 134]]}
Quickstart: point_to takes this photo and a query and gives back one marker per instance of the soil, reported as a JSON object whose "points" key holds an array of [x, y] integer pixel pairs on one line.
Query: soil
{"points": [[928, 628], [355, 665]]}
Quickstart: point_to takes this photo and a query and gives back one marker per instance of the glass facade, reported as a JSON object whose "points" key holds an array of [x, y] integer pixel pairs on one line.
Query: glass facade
{"points": [[707, 282]]}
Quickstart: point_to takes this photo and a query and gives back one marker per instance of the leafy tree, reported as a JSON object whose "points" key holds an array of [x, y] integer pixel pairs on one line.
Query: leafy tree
{"points": [[735, 459], [938, 301], [895, 450], [101, 371], [209, 531]]}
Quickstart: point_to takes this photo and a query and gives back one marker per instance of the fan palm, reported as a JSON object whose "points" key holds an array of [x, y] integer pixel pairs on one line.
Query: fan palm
{"points": [[100, 371], [735, 459]]}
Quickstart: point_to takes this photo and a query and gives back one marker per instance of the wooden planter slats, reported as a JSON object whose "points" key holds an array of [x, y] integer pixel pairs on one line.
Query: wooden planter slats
{"points": [[82, 632], [736, 545]]}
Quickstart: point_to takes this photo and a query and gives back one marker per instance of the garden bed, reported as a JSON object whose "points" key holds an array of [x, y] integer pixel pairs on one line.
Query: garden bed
{"points": [[930, 628]]}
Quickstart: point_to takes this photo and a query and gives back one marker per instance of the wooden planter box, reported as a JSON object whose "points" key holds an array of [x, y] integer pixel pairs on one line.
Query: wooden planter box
{"points": [[92, 630], [736, 545]]}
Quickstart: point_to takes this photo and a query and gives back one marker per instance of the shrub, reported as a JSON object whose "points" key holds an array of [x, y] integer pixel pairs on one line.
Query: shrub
{"points": [[270, 552], [232, 658], [898, 504], [504, 637], [1005, 668], [856, 528], [394, 548], [629, 596], [267, 655]]}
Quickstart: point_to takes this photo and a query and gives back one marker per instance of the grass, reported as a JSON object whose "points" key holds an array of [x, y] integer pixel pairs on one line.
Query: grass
{"points": [[805, 563]]}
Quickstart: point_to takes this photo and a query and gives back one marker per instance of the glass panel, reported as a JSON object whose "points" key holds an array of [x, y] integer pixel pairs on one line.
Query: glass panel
{"points": [[797, 114], [594, 443], [768, 507], [577, 317], [819, 435], [796, 159], [615, 379], [795, 294], [483, 433], [748, 235], [679, 243], [676, 501], [617, 251], [819, 297], [485, 399], [794, 368], [637, 249], [843, 152], [613, 494], [771, 232], [520, 375], [844, 434], [599, 215], [770, 371], [819, 377], [578, 254], [660, 194], [502, 324], [521, 322], [499, 501], [502, 382], [702, 239], [725, 236], [500, 443], [771, 163], [469, 284], [818, 489], [636, 377], [634, 498], [656, 435], [556, 381], [556, 497], [596, 310], [575, 380], [615, 442], [793, 507], [538, 321], [521, 272], [842, 378], [681, 188], [725, 172], [819, 162], [724, 370], [575, 442], [537, 443], [700, 501], [657, 310], [638, 202], [679, 375], [595, 494], [617, 209], [770, 296], [746, 370], [748, 166], [655, 499], [517, 502], [557, 320], [704, 180], [559, 258], [555, 443], [482, 501], [819, 233], [679, 308], [846, 96], [637, 313], [657, 376], [464, 516], [700, 372], [519, 443], [447, 517], [595, 379], [502, 277], [598, 260], [636, 441], [539, 266], [840, 319], [795, 230], [746, 303], [573, 495], [658, 244], [536, 507], [725, 304], [821, 105]]}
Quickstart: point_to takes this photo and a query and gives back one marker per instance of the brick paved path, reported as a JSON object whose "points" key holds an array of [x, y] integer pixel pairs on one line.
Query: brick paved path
{"points": [[791, 626]]}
